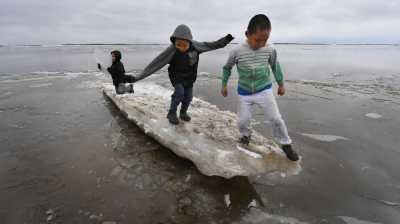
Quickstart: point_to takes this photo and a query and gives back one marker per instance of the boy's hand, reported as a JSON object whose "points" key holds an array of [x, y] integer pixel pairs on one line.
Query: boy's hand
{"points": [[229, 37], [99, 66], [224, 91], [281, 90]]}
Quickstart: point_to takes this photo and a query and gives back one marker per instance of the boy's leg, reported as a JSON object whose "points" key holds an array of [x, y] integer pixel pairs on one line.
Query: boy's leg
{"points": [[187, 99], [128, 79], [176, 99], [244, 116], [120, 88], [123, 88], [267, 102]]}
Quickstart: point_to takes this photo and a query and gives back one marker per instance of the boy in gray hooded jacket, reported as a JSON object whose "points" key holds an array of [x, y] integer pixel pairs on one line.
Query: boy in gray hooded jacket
{"points": [[183, 59]]}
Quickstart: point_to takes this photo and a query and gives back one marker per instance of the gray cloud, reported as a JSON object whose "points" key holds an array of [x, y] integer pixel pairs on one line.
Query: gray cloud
{"points": [[52, 22]]}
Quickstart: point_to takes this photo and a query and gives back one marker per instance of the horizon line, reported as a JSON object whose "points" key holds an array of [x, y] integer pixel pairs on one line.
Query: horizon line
{"points": [[155, 43]]}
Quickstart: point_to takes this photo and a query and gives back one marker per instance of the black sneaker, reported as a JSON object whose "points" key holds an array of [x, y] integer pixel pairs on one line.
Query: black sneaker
{"points": [[172, 118], [184, 116], [290, 153], [245, 140]]}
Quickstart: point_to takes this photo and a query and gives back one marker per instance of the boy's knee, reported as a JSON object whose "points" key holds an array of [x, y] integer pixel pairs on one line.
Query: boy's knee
{"points": [[178, 95], [241, 123], [277, 120]]}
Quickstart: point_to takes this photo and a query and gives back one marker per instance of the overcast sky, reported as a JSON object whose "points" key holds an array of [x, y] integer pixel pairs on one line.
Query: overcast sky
{"points": [[149, 21]]}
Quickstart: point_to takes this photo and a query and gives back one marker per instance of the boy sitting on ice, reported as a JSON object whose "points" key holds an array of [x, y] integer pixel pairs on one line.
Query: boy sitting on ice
{"points": [[117, 72]]}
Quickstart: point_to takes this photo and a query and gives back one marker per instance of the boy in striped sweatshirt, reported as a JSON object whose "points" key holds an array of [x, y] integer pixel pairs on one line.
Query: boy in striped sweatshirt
{"points": [[254, 61]]}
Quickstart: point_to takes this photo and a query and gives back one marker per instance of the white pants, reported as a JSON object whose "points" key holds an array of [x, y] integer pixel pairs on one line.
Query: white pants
{"points": [[266, 100]]}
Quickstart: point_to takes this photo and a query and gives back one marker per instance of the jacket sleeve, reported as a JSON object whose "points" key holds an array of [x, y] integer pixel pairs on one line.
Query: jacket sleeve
{"points": [[276, 68], [209, 46], [227, 69], [160, 61]]}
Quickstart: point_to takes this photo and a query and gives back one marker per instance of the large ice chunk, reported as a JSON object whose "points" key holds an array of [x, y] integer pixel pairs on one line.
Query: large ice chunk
{"points": [[209, 140]]}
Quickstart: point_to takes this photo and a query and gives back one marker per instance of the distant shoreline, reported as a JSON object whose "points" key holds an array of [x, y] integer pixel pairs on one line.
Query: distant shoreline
{"points": [[160, 44]]}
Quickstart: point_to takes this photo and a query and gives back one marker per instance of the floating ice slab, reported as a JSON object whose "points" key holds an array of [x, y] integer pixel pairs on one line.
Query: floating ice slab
{"points": [[351, 220], [257, 216], [373, 115], [209, 140], [40, 85], [324, 138]]}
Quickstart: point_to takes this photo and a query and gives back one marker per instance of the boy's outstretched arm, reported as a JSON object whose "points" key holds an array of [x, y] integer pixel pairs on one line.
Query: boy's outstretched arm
{"points": [[276, 69], [226, 72], [209, 46], [160, 61]]}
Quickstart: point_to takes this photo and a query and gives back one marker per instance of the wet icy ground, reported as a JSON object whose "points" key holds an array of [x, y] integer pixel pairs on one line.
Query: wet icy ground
{"points": [[68, 156]]}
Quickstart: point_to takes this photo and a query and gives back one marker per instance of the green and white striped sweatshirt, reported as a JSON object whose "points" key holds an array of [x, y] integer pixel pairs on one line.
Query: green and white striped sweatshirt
{"points": [[254, 67]]}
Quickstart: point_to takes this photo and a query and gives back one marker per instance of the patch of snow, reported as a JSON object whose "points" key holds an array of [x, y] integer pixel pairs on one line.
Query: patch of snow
{"points": [[227, 200], [257, 216], [324, 138], [390, 203]]}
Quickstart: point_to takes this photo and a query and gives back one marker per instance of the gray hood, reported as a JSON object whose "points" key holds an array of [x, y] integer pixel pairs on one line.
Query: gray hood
{"points": [[182, 32]]}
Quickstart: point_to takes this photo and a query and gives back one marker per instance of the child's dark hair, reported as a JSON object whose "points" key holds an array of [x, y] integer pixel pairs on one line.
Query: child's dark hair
{"points": [[258, 22]]}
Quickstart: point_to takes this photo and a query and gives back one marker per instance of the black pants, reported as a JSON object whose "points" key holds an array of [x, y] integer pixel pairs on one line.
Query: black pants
{"points": [[182, 95], [120, 87]]}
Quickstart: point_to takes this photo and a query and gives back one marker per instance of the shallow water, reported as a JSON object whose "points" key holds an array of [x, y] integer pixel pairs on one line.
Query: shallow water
{"points": [[67, 154]]}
